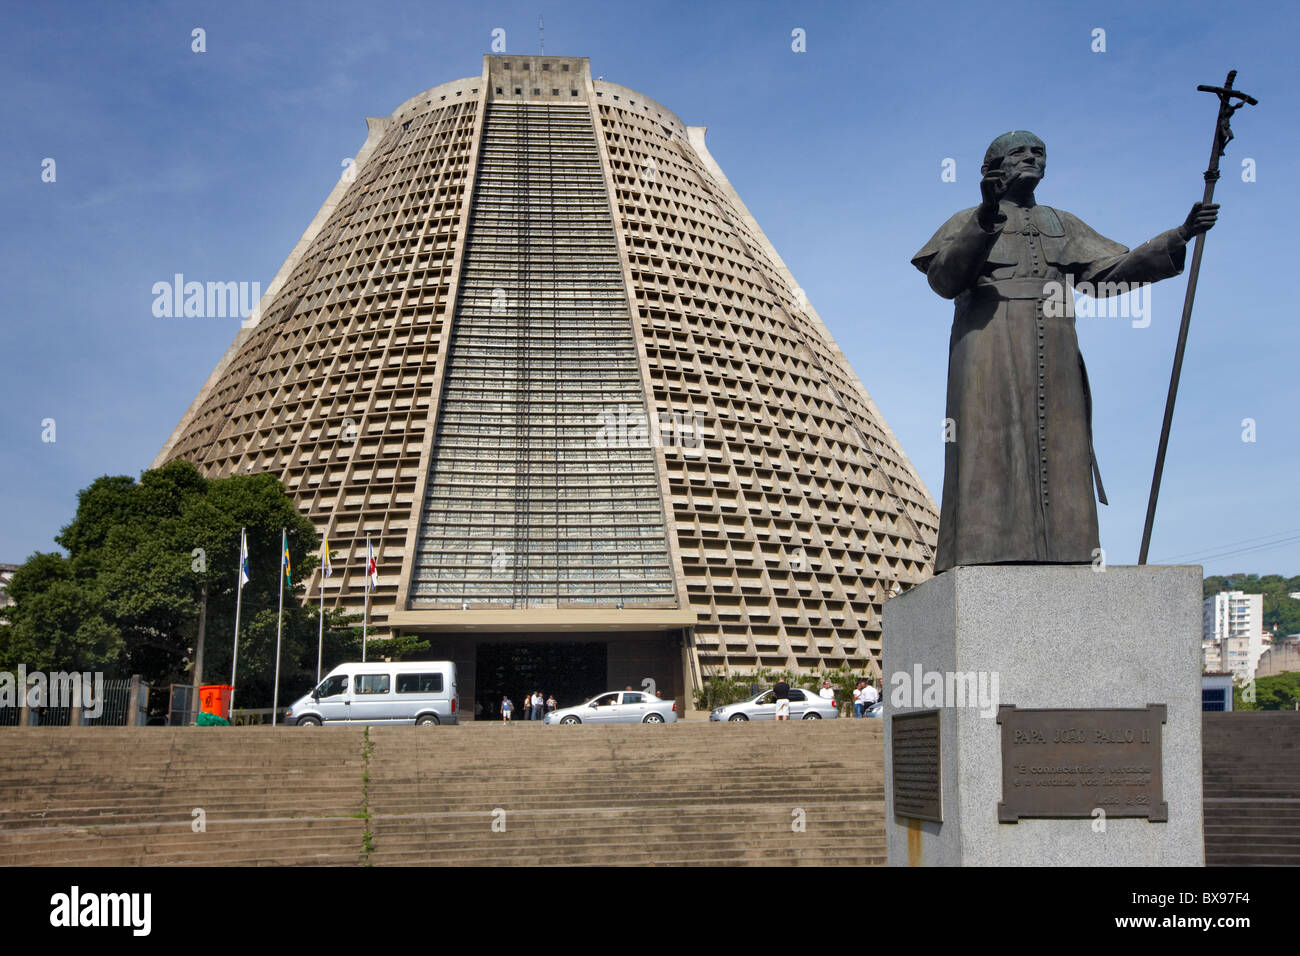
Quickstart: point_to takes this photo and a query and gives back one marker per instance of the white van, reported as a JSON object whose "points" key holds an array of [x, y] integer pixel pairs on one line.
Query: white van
{"points": [[411, 692]]}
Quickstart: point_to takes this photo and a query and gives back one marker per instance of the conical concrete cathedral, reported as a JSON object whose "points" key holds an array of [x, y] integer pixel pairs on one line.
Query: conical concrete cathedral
{"points": [[535, 347]]}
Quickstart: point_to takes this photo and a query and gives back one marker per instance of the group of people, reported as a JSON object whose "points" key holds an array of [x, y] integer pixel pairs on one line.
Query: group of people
{"points": [[865, 696], [535, 707]]}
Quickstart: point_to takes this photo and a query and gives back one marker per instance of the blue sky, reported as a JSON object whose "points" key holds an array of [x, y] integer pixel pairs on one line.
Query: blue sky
{"points": [[212, 164]]}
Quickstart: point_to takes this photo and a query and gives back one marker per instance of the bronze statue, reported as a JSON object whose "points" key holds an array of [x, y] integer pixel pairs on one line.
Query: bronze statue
{"points": [[1019, 463]]}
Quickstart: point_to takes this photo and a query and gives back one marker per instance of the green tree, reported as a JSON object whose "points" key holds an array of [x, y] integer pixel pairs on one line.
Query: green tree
{"points": [[405, 647], [141, 557], [1279, 692], [62, 625]]}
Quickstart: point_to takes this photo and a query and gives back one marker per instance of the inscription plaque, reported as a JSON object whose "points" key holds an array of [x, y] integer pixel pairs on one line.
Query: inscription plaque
{"points": [[915, 752], [1068, 763]]}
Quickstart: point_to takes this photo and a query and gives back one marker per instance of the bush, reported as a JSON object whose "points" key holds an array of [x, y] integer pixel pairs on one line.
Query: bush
{"points": [[721, 689]]}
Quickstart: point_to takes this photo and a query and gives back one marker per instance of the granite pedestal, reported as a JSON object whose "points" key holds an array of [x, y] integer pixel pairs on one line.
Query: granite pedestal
{"points": [[1037, 636]]}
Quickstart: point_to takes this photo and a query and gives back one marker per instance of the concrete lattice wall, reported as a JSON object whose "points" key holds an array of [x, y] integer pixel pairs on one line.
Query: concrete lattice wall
{"points": [[791, 510]]}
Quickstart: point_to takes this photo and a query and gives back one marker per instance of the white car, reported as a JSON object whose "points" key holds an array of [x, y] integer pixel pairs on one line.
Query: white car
{"points": [[804, 705], [618, 707]]}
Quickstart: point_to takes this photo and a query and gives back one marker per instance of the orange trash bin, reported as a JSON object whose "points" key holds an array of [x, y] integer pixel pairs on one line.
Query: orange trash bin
{"points": [[215, 699]]}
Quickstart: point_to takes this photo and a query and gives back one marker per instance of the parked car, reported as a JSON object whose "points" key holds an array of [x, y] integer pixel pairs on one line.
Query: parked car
{"points": [[617, 707], [414, 692], [875, 710], [804, 705]]}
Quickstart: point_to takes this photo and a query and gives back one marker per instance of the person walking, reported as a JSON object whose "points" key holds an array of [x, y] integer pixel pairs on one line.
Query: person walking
{"points": [[507, 707], [781, 693]]}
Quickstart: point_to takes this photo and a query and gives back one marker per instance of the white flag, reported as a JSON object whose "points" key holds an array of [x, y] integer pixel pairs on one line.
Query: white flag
{"points": [[243, 558]]}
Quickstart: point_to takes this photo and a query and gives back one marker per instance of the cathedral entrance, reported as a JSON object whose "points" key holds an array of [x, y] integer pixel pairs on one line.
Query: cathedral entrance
{"points": [[569, 671]]}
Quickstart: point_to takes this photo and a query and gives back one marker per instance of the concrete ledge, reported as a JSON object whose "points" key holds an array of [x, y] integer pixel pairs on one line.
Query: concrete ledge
{"points": [[544, 619]]}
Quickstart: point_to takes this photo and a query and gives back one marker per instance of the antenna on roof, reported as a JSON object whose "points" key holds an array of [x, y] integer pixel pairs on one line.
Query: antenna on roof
{"points": [[541, 35]]}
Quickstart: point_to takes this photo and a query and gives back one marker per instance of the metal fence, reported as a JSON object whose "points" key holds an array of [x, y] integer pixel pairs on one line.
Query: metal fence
{"points": [[182, 705], [117, 704], [124, 703]]}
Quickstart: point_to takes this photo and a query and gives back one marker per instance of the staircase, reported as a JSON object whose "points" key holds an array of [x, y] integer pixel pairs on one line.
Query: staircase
{"points": [[494, 794], [479, 794], [805, 792], [1251, 769], [125, 796]]}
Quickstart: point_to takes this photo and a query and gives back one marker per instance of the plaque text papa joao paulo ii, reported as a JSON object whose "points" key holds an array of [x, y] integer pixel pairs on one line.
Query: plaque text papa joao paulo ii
{"points": [[1071, 763]]}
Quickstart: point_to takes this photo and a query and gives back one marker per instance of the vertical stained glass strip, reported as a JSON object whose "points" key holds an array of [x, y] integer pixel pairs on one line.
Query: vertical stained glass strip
{"points": [[542, 490]]}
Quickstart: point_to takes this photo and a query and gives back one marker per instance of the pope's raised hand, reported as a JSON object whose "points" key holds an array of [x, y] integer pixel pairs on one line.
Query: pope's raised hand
{"points": [[992, 188]]}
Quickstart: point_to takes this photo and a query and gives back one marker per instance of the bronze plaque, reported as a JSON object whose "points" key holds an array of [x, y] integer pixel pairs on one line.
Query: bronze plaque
{"points": [[1068, 763], [915, 751]]}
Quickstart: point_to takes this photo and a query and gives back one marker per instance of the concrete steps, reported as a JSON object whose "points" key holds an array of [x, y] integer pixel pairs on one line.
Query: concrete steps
{"points": [[1251, 766], [630, 795], [321, 841], [687, 793], [682, 794]]}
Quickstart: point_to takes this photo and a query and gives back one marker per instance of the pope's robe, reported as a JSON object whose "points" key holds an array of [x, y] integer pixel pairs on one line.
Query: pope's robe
{"points": [[1019, 461]]}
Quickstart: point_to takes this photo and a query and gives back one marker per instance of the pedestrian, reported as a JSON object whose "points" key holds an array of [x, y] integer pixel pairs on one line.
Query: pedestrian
{"points": [[827, 692], [857, 699], [781, 693], [538, 703], [870, 697], [550, 703], [507, 707]]}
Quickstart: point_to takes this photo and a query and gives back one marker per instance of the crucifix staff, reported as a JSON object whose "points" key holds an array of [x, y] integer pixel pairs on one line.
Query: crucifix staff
{"points": [[1230, 101]]}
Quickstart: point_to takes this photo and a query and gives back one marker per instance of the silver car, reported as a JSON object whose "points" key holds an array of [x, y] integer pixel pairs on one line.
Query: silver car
{"points": [[804, 705], [617, 707]]}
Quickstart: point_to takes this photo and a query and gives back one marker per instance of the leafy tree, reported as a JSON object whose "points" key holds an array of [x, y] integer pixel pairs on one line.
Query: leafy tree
{"points": [[141, 558], [1279, 692], [404, 647], [62, 625]]}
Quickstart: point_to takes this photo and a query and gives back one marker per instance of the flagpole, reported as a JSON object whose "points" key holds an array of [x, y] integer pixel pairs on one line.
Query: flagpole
{"points": [[239, 598], [320, 639], [279, 620], [365, 618]]}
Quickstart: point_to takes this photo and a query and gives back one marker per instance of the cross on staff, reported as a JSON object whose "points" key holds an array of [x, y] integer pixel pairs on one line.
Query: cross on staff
{"points": [[1230, 101]]}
